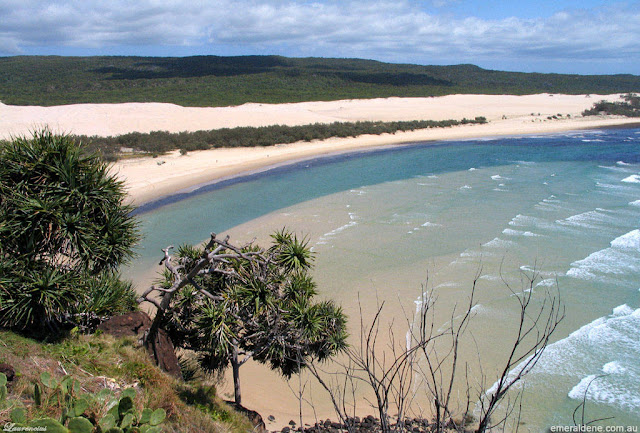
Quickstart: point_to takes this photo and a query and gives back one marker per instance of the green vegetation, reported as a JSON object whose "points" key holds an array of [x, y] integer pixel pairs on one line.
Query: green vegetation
{"points": [[64, 229], [228, 305], [222, 81], [630, 107], [101, 384], [159, 141]]}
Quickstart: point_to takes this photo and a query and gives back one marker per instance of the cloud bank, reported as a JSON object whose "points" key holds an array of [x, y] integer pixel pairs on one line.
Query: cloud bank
{"points": [[387, 30]]}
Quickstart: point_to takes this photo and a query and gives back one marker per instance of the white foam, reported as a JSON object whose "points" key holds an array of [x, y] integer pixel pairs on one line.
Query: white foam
{"points": [[634, 178], [590, 219], [464, 187], [358, 191], [613, 367], [584, 355], [635, 203], [611, 261], [623, 310], [353, 222], [622, 163], [630, 241], [602, 390], [498, 177], [499, 243], [615, 168], [511, 232], [472, 169], [548, 282], [525, 162], [430, 224]]}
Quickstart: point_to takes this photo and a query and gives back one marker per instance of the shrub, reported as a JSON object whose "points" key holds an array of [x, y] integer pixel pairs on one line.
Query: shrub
{"points": [[64, 230]]}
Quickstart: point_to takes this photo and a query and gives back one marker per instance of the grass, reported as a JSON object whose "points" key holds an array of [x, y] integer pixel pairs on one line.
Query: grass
{"points": [[100, 361]]}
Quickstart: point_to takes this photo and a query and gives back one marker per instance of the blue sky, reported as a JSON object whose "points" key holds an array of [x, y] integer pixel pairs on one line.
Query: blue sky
{"points": [[572, 36]]}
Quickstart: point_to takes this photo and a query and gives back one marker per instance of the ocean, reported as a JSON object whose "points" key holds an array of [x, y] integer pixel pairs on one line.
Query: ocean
{"points": [[390, 224]]}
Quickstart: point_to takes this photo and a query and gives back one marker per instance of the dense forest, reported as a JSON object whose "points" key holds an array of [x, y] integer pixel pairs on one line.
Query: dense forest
{"points": [[222, 81]]}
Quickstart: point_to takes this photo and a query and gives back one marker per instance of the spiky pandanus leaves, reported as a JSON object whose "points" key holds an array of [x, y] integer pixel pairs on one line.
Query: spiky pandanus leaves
{"points": [[62, 219], [291, 253], [263, 308]]}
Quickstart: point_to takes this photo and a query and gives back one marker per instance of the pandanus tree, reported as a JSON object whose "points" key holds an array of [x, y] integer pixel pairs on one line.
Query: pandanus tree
{"points": [[64, 230], [230, 304]]}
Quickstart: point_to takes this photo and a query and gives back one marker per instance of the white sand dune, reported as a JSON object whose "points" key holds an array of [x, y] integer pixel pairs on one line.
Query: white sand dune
{"points": [[148, 180]]}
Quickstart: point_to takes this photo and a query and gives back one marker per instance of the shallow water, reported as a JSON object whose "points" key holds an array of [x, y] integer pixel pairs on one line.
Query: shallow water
{"points": [[385, 224]]}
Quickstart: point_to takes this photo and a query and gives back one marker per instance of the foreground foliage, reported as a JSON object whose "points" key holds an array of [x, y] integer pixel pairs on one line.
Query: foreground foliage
{"points": [[64, 230], [95, 383], [220, 81], [228, 304]]}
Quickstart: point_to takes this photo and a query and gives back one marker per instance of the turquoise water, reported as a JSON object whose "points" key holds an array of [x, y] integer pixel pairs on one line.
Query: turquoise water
{"points": [[386, 223]]}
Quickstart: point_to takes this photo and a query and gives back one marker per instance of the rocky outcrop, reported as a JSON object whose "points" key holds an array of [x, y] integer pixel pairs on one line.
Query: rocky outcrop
{"points": [[254, 417], [136, 324]]}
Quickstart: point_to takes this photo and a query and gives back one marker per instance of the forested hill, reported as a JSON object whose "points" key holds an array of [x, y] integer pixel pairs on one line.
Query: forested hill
{"points": [[221, 81]]}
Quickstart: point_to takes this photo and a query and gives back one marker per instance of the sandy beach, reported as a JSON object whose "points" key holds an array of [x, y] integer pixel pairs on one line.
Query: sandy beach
{"points": [[149, 179]]}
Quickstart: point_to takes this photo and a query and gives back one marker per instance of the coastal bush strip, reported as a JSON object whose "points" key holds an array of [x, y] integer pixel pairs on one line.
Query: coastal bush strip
{"points": [[157, 142], [629, 108]]}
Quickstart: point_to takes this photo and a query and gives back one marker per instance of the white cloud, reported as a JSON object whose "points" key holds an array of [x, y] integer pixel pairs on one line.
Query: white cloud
{"points": [[388, 30]]}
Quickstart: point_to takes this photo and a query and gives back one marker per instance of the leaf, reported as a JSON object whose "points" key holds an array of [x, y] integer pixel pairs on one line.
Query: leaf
{"points": [[50, 425], [47, 380], [127, 421], [145, 416], [79, 407], [3, 379], [157, 416], [104, 394], [129, 392], [107, 422], [19, 415], [80, 425]]}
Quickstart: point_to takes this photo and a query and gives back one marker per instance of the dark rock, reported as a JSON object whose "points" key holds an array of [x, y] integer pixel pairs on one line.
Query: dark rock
{"points": [[285, 430], [292, 422], [127, 325], [254, 417], [163, 352], [8, 371], [135, 324]]}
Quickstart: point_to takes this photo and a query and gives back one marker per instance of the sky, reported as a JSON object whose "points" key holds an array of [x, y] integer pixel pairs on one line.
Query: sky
{"points": [[572, 36]]}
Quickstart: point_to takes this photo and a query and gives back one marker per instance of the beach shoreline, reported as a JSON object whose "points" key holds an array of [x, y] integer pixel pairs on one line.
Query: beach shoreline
{"points": [[150, 179], [153, 181]]}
